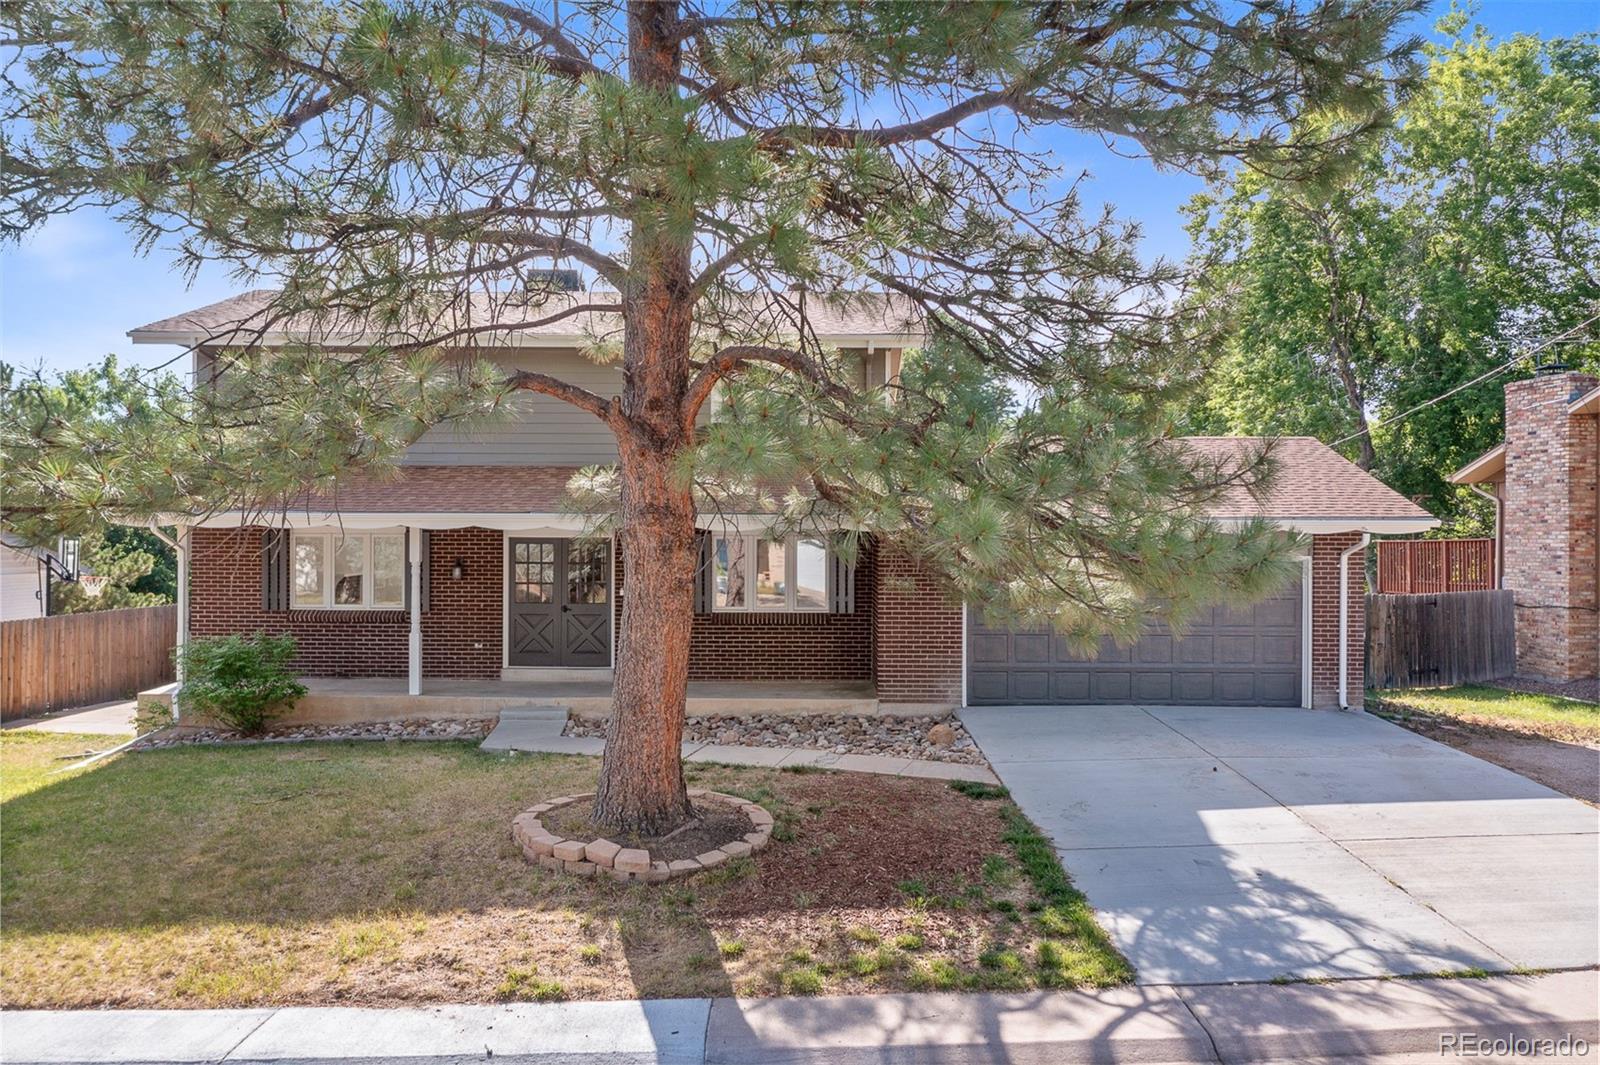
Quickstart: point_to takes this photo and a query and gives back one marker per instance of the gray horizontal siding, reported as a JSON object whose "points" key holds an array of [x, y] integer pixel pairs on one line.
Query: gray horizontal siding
{"points": [[541, 430]]}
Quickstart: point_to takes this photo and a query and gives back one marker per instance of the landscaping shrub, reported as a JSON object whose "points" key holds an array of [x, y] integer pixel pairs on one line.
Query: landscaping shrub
{"points": [[242, 682], [150, 716]]}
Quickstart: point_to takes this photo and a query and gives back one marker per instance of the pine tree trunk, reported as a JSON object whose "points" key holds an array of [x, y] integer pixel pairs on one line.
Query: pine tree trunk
{"points": [[641, 775]]}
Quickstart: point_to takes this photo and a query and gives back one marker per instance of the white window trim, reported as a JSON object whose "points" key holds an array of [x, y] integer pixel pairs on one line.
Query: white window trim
{"points": [[330, 537], [791, 559]]}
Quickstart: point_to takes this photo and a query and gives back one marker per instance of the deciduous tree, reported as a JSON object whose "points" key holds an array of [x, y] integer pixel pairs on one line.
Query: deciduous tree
{"points": [[1469, 233]]}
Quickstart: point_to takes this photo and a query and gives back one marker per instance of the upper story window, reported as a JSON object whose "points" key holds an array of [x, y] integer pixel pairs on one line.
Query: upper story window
{"points": [[752, 573], [348, 570]]}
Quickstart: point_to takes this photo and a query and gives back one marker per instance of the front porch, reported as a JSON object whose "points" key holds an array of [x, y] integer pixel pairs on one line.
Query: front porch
{"points": [[347, 700]]}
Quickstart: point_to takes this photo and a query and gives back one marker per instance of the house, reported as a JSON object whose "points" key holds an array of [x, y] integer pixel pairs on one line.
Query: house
{"points": [[22, 580], [502, 593], [27, 572], [1543, 480]]}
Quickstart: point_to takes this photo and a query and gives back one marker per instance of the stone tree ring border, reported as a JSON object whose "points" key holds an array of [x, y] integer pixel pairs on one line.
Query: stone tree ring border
{"points": [[601, 856]]}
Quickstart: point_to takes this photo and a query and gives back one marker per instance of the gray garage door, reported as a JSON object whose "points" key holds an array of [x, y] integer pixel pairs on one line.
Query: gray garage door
{"points": [[1248, 657]]}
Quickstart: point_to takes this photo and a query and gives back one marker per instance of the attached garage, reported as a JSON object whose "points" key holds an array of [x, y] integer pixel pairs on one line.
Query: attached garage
{"points": [[1252, 656]]}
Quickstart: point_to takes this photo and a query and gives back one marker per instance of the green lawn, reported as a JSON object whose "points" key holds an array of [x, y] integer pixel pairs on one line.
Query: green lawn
{"points": [[384, 873], [33, 759], [1477, 704]]}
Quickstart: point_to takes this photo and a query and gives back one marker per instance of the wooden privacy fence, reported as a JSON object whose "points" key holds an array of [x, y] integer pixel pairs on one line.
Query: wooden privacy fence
{"points": [[1420, 641], [77, 659], [1409, 567]]}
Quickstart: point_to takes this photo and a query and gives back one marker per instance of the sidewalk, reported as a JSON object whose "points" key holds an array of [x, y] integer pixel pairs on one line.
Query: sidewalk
{"points": [[538, 731], [103, 719], [1362, 1020]]}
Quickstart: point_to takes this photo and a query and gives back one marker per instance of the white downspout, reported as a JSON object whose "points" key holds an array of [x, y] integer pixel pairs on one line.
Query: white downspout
{"points": [[414, 644], [1344, 619], [1499, 505], [180, 549]]}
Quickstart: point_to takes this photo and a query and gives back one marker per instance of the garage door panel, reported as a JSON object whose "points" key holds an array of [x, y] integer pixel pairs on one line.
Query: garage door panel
{"points": [[1152, 687], [1030, 686], [1280, 650], [1244, 656], [1278, 613], [1109, 652], [1069, 687], [989, 686], [989, 648], [1236, 650], [1153, 649], [1236, 687], [1278, 688], [1110, 687], [1030, 647]]}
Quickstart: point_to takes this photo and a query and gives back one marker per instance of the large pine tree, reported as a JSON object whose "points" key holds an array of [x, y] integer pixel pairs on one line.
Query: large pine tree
{"points": [[389, 162]]}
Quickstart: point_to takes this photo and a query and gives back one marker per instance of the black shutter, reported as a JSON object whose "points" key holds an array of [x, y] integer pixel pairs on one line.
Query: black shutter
{"points": [[703, 587], [426, 538], [843, 597], [275, 569]]}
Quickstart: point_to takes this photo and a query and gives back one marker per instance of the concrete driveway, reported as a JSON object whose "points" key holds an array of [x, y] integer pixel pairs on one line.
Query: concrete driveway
{"points": [[1221, 844]]}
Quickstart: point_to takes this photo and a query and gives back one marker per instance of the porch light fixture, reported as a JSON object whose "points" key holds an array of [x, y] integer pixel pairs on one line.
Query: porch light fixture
{"points": [[458, 571]]}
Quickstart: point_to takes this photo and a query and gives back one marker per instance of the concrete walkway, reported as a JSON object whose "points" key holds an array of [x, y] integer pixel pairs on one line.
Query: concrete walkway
{"points": [[537, 730], [1358, 1020], [1240, 844], [102, 719]]}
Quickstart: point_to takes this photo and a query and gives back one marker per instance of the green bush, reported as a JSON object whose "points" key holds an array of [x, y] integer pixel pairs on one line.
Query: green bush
{"points": [[150, 716], [242, 682]]}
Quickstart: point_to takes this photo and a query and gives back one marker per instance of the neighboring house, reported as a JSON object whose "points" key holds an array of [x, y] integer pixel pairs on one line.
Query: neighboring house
{"points": [[1543, 479], [506, 589], [26, 574], [22, 582]]}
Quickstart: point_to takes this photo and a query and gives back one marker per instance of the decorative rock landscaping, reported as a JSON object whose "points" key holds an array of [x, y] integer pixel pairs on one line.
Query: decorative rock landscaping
{"points": [[466, 728], [938, 739], [598, 857]]}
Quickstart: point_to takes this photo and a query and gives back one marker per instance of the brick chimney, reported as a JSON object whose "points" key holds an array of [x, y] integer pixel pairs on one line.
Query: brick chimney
{"points": [[1550, 492]]}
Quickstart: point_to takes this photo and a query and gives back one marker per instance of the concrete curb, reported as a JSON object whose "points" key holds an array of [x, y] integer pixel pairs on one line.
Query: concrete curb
{"points": [[1358, 1020]]}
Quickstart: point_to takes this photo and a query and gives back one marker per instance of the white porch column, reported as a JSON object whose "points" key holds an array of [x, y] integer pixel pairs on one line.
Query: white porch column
{"points": [[414, 654], [181, 550]]}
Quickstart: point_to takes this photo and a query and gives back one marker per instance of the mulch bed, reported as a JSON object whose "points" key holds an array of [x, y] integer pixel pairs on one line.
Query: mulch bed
{"points": [[716, 824], [854, 849]]}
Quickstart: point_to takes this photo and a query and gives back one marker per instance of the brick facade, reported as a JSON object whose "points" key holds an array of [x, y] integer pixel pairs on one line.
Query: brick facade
{"points": [[1325, 552], [905, 633], [460, 632], [463, 628], [773, 647], [1549, 526], [918, 648]]}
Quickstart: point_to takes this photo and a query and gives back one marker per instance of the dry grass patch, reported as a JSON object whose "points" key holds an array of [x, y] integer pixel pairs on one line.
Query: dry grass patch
{"points": [[384, 874]]}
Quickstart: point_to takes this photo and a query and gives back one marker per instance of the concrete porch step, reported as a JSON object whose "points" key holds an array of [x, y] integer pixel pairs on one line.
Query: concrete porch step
{"points": [[536, 712], [525, 727]]}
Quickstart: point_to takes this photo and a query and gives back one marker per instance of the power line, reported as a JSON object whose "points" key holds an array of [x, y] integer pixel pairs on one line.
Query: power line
{"points": [[1502, 368]]}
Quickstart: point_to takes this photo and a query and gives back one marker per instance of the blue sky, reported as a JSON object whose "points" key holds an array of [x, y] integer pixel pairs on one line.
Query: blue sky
{"points": [[69, 294]]}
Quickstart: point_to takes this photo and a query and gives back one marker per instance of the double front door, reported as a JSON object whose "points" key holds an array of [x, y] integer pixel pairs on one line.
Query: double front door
{"points": [[560, 603]]}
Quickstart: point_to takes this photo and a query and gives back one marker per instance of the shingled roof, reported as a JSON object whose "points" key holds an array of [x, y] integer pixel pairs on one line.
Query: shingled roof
{"points": [[1316, 489], [507, 320], [1313, 483]]}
